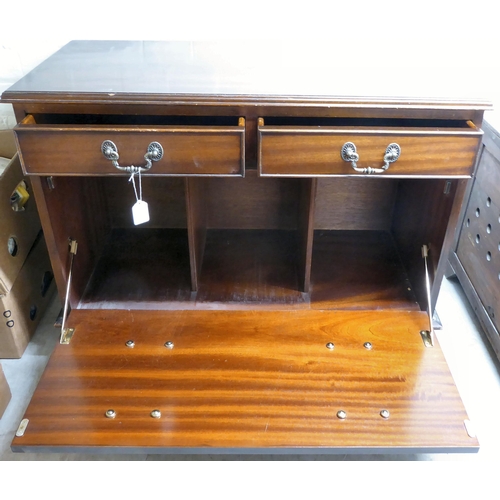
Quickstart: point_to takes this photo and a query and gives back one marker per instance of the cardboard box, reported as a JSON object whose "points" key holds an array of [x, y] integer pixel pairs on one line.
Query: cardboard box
{"points": [[22, 308], [18, 229], [5, 394]]}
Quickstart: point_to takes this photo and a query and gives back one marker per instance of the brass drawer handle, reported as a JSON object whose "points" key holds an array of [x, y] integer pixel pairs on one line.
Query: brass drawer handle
{"points": [[154, 153], [349, 154]]}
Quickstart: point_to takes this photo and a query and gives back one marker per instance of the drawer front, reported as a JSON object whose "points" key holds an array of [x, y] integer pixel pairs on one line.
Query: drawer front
{"points": [[76, 150], [316, 151]]}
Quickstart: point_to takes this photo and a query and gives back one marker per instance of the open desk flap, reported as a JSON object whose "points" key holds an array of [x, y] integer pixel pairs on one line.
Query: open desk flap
{"points": [[246, 381]]}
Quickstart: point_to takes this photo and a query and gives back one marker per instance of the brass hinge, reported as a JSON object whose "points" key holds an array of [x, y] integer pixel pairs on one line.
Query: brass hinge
{"points": [[22, 427], [427, 338], [66, 334], [469, 428]]}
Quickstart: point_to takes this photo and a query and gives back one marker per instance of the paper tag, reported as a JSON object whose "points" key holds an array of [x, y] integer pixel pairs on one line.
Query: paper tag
{"points": [[140, 212]]}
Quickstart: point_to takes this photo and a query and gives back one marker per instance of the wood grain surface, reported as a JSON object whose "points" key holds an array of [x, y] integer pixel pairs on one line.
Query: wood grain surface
{"points": [[246, 381], [76, 149], [316, 151], [172, 71], [359, 270]]}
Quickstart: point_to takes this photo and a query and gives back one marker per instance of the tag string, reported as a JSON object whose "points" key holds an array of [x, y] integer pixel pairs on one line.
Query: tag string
{"points": [[138, 198]]}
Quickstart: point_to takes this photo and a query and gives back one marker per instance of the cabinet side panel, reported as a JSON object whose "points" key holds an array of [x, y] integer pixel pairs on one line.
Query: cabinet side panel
{"points": [[74, 208], [306, 231], [196, 225], [425, 213]]}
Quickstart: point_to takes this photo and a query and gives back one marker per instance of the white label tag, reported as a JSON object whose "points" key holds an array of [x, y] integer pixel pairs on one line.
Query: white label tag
{"points": [[140, 212]]}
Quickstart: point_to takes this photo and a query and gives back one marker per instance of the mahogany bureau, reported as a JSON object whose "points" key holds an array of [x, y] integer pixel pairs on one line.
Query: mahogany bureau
{"points": [[278, 297]]}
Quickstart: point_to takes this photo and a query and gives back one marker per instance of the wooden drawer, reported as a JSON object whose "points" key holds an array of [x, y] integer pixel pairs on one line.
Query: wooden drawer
{"points": [[75, 149], [316, 150]]}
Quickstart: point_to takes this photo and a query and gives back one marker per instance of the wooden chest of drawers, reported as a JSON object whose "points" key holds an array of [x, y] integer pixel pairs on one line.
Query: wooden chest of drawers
{"points": [[277, 299]]}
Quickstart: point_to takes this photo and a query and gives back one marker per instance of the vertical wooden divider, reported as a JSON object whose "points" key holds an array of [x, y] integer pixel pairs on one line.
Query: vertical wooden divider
{"points": [[305, 228], [196, 208]]}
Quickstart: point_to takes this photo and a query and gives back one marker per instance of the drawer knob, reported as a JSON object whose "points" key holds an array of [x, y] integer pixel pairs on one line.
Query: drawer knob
{"points": [[349, 154], [153, 153]]}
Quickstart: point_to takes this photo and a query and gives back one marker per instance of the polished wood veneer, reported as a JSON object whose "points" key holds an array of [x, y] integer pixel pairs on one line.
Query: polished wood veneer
{"points": [[187, 150], [246, 381], [306, 151]]}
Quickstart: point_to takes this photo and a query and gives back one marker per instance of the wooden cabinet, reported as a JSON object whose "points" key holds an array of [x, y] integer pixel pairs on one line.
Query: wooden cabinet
{"points": [[276, 300]]}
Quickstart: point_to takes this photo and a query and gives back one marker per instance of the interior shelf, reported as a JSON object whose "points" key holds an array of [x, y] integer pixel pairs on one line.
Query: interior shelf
{"points": [[358, 270], [250, 267], [210, 244], [140, 266], [149, 269]]}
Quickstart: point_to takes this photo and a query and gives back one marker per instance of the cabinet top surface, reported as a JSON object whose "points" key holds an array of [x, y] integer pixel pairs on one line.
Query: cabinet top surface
{"points": [[288, 72]]}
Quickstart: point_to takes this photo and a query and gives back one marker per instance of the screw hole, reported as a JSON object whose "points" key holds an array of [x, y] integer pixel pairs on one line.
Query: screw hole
{"points": [[488, 202], [488, 256], [46, 281], [478, 212], [478, 238], [488, 228], [12, 246], [468, 222], [33, 310]]}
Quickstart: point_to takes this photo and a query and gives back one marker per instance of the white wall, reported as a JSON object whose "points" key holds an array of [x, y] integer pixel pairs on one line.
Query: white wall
{"points": [[426, 35], [18, 57]]}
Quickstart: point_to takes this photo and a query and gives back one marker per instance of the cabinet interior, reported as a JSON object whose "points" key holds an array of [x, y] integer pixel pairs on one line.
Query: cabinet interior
{"points": [[253, 242]]}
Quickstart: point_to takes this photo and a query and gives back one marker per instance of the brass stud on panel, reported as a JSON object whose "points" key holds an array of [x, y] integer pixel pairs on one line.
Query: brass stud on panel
{"points": [[130, 343], [342, 414], [169, 345], [385, 414], [156, 413], [330, 346], [368, 345], [110, 414]]}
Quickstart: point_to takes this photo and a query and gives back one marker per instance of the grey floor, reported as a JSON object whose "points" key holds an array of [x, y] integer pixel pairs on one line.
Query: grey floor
{"points": [[472, 363]]}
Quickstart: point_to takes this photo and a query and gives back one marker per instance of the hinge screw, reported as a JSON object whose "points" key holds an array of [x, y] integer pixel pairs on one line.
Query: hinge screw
{"points": [[330, 345], [169, 345], [385, 414], [368, 345], [111, 414], [130, 343], [342, 414], [156, 413]]}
